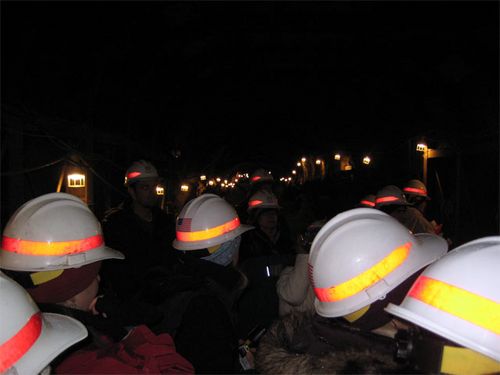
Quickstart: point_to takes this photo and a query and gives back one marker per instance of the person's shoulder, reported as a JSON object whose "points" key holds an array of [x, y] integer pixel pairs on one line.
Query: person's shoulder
{"points": [[117, 213]]}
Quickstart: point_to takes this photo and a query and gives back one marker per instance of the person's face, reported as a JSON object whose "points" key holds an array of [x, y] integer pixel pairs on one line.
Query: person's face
{"points": [[268, 220], [144, 193], [86, 298]]}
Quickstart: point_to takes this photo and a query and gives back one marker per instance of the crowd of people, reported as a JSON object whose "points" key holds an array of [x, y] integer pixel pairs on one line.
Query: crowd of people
{"points": [[253, 287]]}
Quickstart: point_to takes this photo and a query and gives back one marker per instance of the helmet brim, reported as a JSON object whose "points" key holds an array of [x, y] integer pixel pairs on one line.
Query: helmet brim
{"points": [[59, 332], [21, 262], [197, 245], [432, 245]]}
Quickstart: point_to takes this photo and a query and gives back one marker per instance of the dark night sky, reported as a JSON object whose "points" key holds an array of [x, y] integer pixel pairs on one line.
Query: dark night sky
{"points": [[261, 80]]}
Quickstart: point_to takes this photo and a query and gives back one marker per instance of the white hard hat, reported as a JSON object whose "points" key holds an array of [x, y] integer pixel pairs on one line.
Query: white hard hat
{"points": [[416, 188], [361, 255], [260, 175], [140, 170], [390, 195], [262, 199], [29, 339], [53, 231], [206, 221], [458, 297]]}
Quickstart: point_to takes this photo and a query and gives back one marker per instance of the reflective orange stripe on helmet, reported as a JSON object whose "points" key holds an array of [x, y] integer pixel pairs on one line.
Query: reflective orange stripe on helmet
{"points": [[20, 343], [386, 199], [365, 279], [368, 203], [133, 175], [255, 203], [39, 248], [459, 302], [208, 233], [415, 190]]}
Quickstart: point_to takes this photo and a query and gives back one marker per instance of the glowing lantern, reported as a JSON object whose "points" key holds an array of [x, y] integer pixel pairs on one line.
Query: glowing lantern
{"points": [[421, 147], [76, 180]]}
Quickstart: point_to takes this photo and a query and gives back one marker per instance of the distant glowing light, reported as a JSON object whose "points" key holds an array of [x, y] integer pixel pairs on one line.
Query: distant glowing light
{"points": [[76, 180], [421, 147]]}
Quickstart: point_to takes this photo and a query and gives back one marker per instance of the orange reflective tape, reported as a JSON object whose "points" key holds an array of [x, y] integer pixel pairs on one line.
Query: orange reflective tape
{"points": [[15, 347], [415, 190], [208, 233], [133, 174], [459, 302], [255, 203], [368, 203], [386, 199], [365, 279], [39, 248]]}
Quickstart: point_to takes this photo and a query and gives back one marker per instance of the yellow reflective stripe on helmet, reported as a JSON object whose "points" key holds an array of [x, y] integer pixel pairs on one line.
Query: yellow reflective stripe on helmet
{"points": [[44, 276], [463, 361], [352, 317], [459, 302], [365, 279], [208, 233]]}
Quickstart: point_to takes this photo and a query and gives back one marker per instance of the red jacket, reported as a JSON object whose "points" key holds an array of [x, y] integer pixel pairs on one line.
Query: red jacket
{"points": [[139, 352]]}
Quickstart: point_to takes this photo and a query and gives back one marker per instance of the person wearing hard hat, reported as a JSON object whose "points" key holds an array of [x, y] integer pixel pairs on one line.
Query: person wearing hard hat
{"points": [[263, 255], [360, 260], [391, 200], [140, 230], [415, 192], [29, 339], [454, 311], [53, 246], [202, 288]]}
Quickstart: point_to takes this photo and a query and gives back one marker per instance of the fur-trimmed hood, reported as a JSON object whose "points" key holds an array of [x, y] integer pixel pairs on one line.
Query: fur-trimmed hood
{"points": [[309, 344]]}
